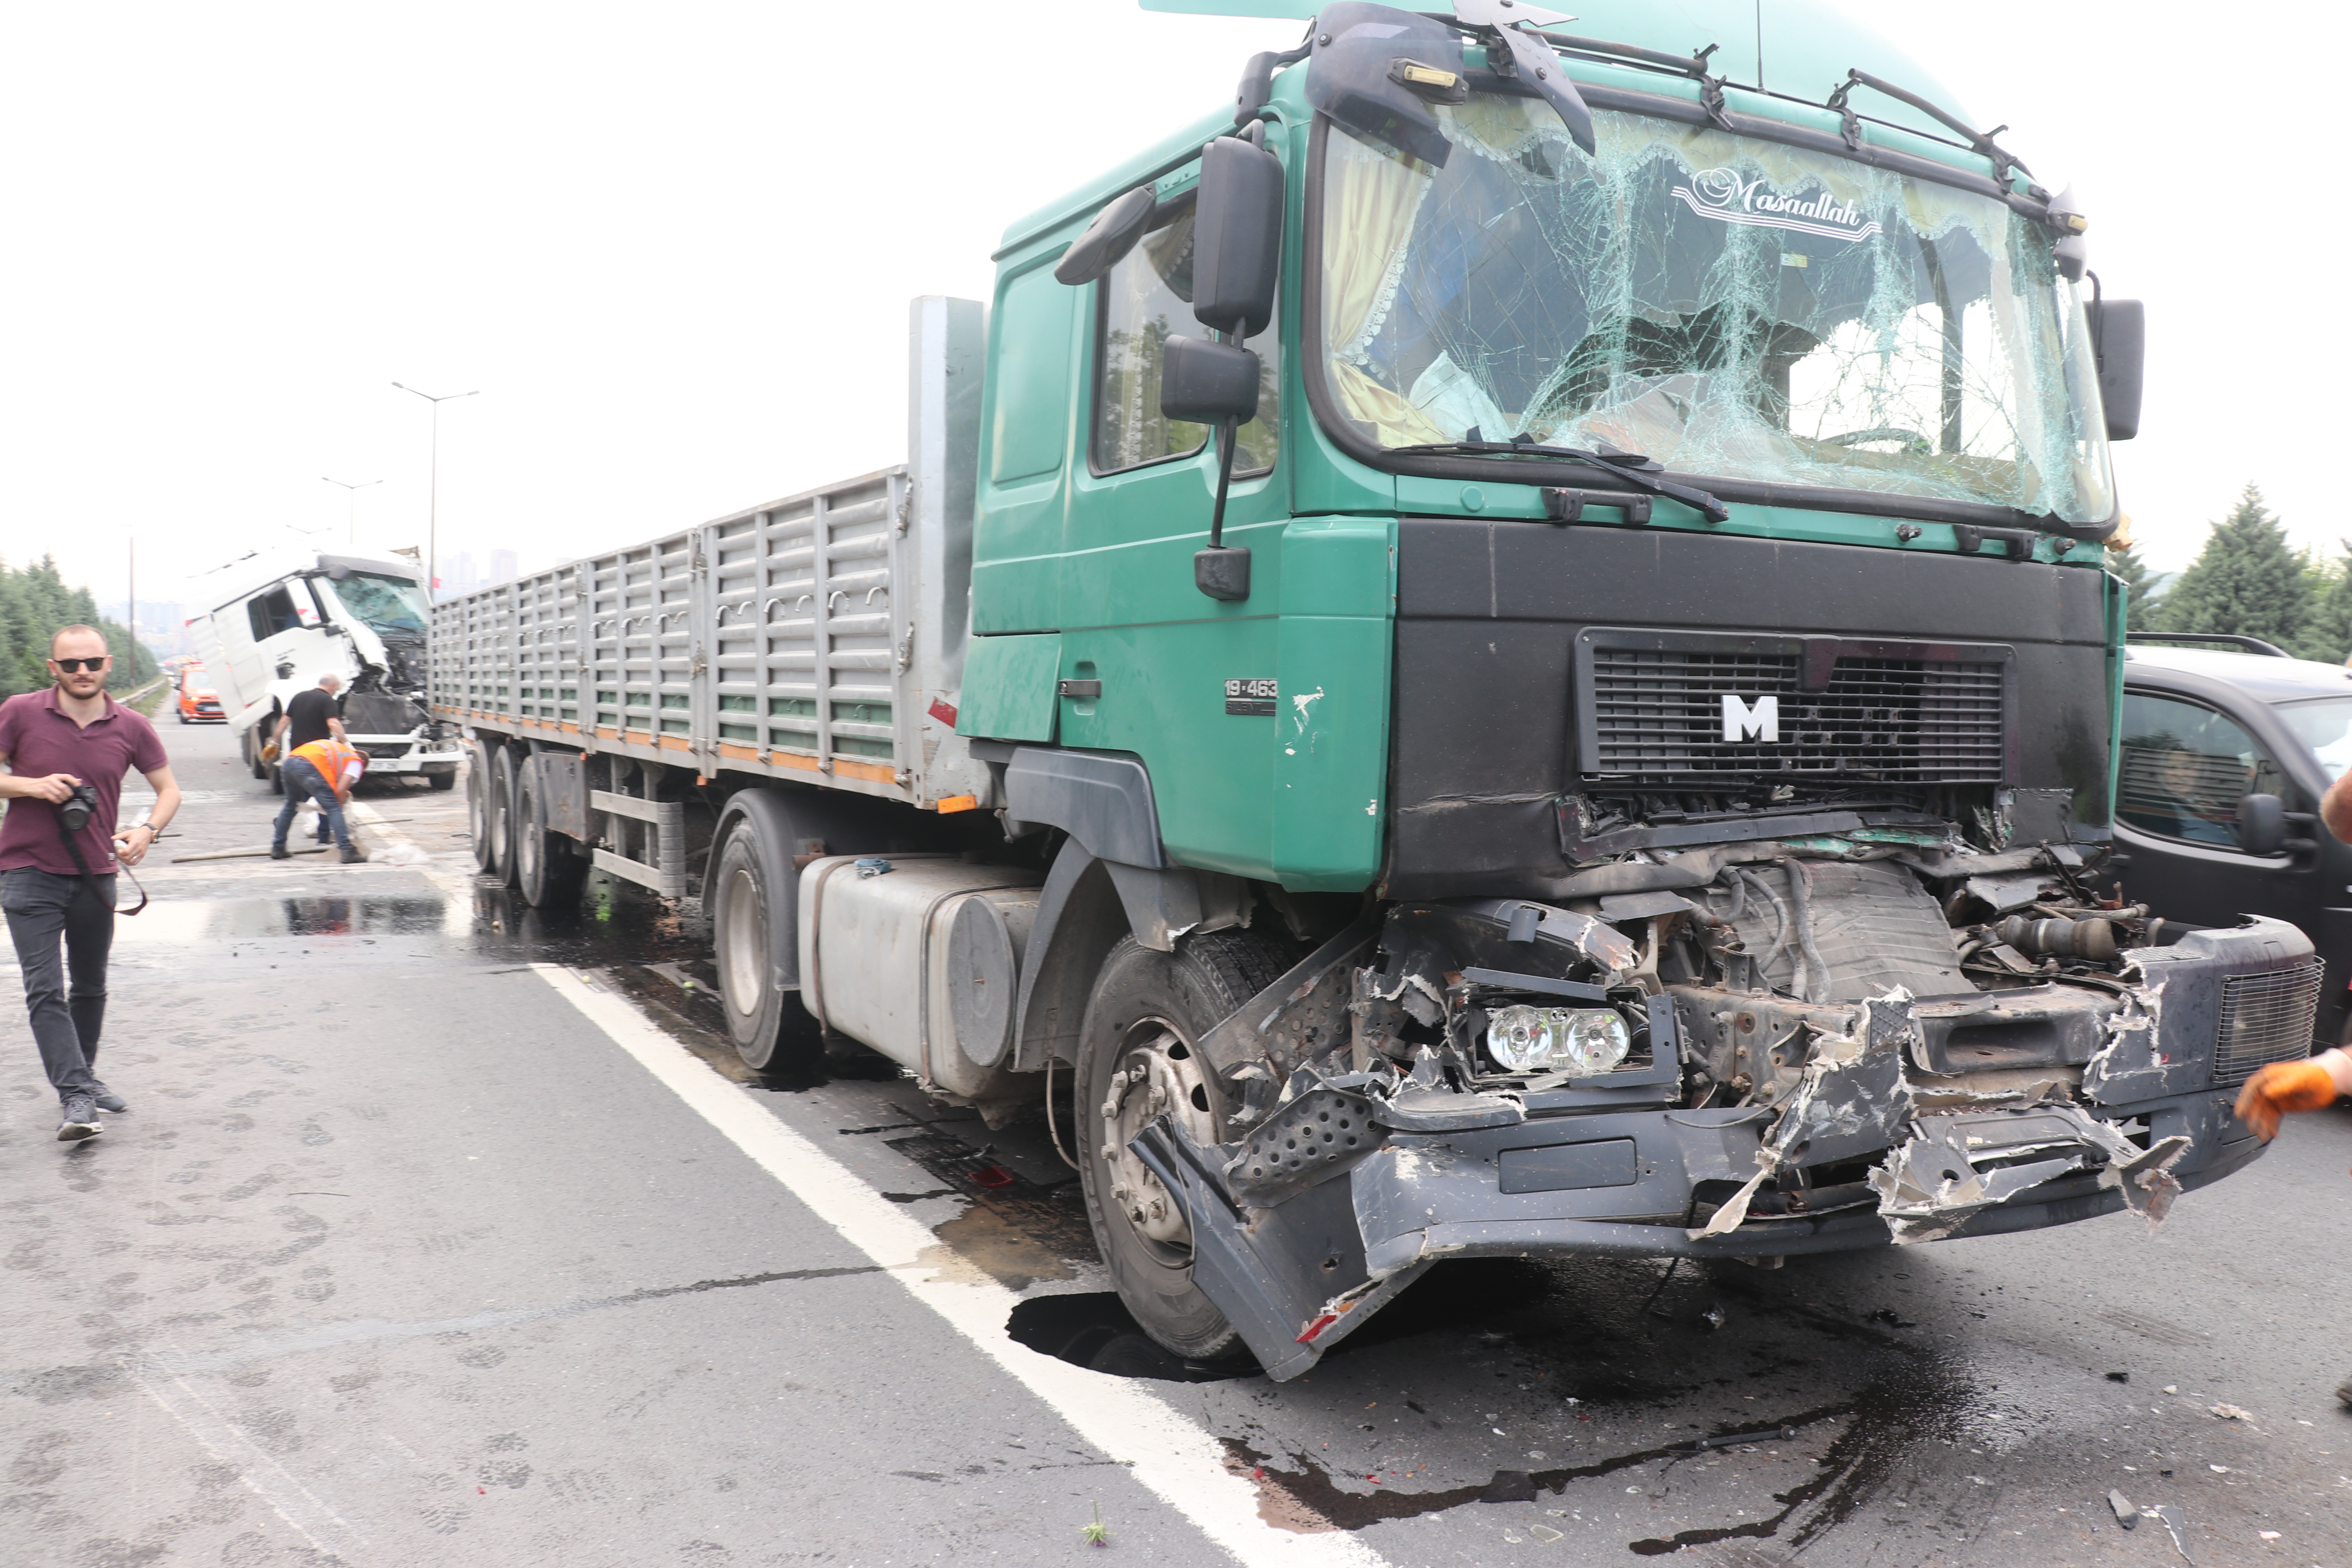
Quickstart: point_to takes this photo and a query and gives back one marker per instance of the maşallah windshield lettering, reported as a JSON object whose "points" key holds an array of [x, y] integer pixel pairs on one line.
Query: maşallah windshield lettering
{"points": [[1733, 308]]}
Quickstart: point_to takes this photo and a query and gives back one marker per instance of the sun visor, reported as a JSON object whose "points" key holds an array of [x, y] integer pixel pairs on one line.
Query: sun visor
{"points": [[1375, 71]]}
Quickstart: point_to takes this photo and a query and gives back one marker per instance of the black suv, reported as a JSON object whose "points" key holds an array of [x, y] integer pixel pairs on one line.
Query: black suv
{"points": [[2227, 746]]}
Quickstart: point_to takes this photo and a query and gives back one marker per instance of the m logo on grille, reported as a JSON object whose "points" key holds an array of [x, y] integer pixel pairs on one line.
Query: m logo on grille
{"points": [[1761, 722]]}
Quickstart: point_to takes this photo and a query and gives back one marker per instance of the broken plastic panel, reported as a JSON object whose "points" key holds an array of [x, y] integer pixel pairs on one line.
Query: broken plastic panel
{"points": [[1727, 306]]}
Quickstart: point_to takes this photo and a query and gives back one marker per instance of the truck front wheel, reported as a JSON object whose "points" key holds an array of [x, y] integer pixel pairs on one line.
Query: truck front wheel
{"points": [[1137, 1060], [772, 1032]]}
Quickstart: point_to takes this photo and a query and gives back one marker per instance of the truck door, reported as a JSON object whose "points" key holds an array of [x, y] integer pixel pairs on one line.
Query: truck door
{"points": [[1185, 681], [2183, 767]]}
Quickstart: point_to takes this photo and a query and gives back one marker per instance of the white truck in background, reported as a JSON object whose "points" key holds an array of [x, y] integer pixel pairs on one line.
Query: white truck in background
{"points": [[279, 622]]}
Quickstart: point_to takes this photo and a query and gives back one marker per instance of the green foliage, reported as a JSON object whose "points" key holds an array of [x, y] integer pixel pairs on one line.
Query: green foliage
{"points": [[2327, 625], [2248, 580], [34, 603], [2146, 603]]}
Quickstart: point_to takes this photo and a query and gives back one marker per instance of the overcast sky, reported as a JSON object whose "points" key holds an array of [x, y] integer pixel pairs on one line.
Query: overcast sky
{"points": [[673, 246]]}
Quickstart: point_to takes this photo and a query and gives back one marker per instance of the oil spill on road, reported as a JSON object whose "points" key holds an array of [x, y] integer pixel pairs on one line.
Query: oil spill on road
{"points": [[1096, 1331], [493, 925]]}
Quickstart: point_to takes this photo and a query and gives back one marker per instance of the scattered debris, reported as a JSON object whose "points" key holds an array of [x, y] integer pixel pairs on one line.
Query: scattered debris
{"points": [[2268, 1534], [402, 855], [2232, 1412], [2171, 1388], [1509, 1486], [2127, 1512], [1545, 1532], [2118, 1377], [2218, 1470], [2175, 1524]]}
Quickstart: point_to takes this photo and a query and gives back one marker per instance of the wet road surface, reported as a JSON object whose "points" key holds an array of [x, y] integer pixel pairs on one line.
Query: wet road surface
{"points": [[400, 1258]]}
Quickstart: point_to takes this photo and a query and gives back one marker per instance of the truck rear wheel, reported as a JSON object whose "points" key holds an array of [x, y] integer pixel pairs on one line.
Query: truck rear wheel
{"points": [[772, 1032], [1137, 1060], [549, 868], [477, 805], [502, 815]]}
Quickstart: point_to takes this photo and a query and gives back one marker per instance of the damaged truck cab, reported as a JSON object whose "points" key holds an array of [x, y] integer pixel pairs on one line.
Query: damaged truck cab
{"points": [[1539, 600], [1500, 648]]}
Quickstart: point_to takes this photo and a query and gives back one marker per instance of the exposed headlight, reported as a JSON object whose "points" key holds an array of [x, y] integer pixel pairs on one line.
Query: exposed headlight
{"points": [[1580, 1041]]}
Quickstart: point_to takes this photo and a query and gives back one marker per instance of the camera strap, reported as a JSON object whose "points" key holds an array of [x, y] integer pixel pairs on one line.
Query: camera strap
{"points": [[90, 880]]}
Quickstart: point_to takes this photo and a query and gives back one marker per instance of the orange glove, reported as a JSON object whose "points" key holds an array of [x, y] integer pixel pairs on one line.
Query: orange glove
{"points": [[2283, 1086]]}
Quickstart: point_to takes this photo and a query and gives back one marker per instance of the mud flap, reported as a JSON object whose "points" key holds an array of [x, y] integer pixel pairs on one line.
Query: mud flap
{"points": [[1291, 1278]]}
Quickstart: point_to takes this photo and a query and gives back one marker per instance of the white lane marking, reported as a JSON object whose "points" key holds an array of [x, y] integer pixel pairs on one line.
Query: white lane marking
{"points": [[329, 1532], [1167, 1453]]}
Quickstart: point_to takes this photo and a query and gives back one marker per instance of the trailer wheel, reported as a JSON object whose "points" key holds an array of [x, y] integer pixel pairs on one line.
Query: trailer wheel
{"points": [[1135, 1061], [442, 781], [477, 805], [502, 815], [772, 1031], [547, 871]]}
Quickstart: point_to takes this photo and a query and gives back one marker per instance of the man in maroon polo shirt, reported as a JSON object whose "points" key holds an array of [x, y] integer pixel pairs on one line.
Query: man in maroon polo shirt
{"points": [[55, 889]]}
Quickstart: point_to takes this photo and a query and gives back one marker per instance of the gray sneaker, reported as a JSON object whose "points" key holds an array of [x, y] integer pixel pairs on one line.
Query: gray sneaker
{"points": [[110, 1102], [81, 1120], [353, 855], [279, 852]]}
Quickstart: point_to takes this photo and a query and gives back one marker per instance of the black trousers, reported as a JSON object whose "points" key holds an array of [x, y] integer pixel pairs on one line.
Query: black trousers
{"points": [[46, 912]]}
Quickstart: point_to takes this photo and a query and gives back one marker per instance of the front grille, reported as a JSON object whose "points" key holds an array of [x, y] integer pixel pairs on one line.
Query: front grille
{"points": [[1660, 713], [386, 752], [2266, 1018]]}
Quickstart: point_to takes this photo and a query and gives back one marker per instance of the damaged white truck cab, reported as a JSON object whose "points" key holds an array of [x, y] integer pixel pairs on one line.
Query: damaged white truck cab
{"points": [[282, 621]]}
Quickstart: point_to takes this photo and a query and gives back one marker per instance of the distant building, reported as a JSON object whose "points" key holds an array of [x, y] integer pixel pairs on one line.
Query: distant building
{"points": [[502, 567]]}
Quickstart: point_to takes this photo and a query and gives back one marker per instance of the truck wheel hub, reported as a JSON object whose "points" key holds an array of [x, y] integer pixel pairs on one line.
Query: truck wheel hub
{"points": [[1157, 1074]]}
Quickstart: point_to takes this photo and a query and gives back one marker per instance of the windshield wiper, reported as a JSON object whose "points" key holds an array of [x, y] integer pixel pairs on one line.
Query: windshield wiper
{"points": [[1637, 470]]}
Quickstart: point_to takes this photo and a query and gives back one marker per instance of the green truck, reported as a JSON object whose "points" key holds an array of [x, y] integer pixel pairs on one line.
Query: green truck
{"points": [[1500, 648]]}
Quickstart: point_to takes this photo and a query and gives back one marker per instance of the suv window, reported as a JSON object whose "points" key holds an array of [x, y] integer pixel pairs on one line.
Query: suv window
{"points": [[2184, 768], [1141, 301], [272, 613]]}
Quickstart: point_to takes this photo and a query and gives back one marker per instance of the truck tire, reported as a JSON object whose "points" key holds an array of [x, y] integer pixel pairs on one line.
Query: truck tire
{"points": [[477, 805], [501, 816], [548, 872], [442, 781], [772, 1031], [1147, 1010], [252, 762]]}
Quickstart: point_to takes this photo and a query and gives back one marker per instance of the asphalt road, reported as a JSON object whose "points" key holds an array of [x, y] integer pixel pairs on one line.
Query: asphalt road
{"points": [[441, 1232]]}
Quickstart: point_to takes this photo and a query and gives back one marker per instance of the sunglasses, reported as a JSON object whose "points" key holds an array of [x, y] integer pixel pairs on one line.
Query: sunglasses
{"points": [[93, 665]]}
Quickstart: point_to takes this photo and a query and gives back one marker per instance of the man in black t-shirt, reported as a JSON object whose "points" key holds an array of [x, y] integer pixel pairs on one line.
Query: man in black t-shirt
{"points": [[311, 716]]}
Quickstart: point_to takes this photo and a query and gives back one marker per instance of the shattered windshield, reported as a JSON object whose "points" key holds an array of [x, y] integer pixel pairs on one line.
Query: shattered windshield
{"points": [[1730, 307], [394, 606]]}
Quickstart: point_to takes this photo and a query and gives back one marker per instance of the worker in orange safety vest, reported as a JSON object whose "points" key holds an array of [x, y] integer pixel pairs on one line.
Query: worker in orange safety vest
{"points": [[322, 771]]}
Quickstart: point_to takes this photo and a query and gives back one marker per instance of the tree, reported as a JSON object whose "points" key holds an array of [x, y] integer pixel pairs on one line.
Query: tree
{"points": [[2327, 628], [2248, 580], [34, 603], [2146, 603]]}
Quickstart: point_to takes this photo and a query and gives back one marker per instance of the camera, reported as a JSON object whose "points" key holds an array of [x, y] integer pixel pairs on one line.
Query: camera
{"points": [[76, 810]]}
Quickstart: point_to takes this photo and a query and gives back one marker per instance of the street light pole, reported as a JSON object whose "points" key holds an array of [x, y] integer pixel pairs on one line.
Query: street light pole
{"points": [[433, 512], [351, 522]]}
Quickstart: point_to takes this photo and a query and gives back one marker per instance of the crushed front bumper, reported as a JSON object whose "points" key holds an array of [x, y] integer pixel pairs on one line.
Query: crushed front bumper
{"points": [[1625, 1173]]}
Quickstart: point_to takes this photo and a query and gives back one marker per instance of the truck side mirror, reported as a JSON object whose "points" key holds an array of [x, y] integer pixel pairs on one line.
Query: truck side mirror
{"points": [[2262, 824], [2119, 340], [1108, 238], [1206, 382], [1236, 237]]}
